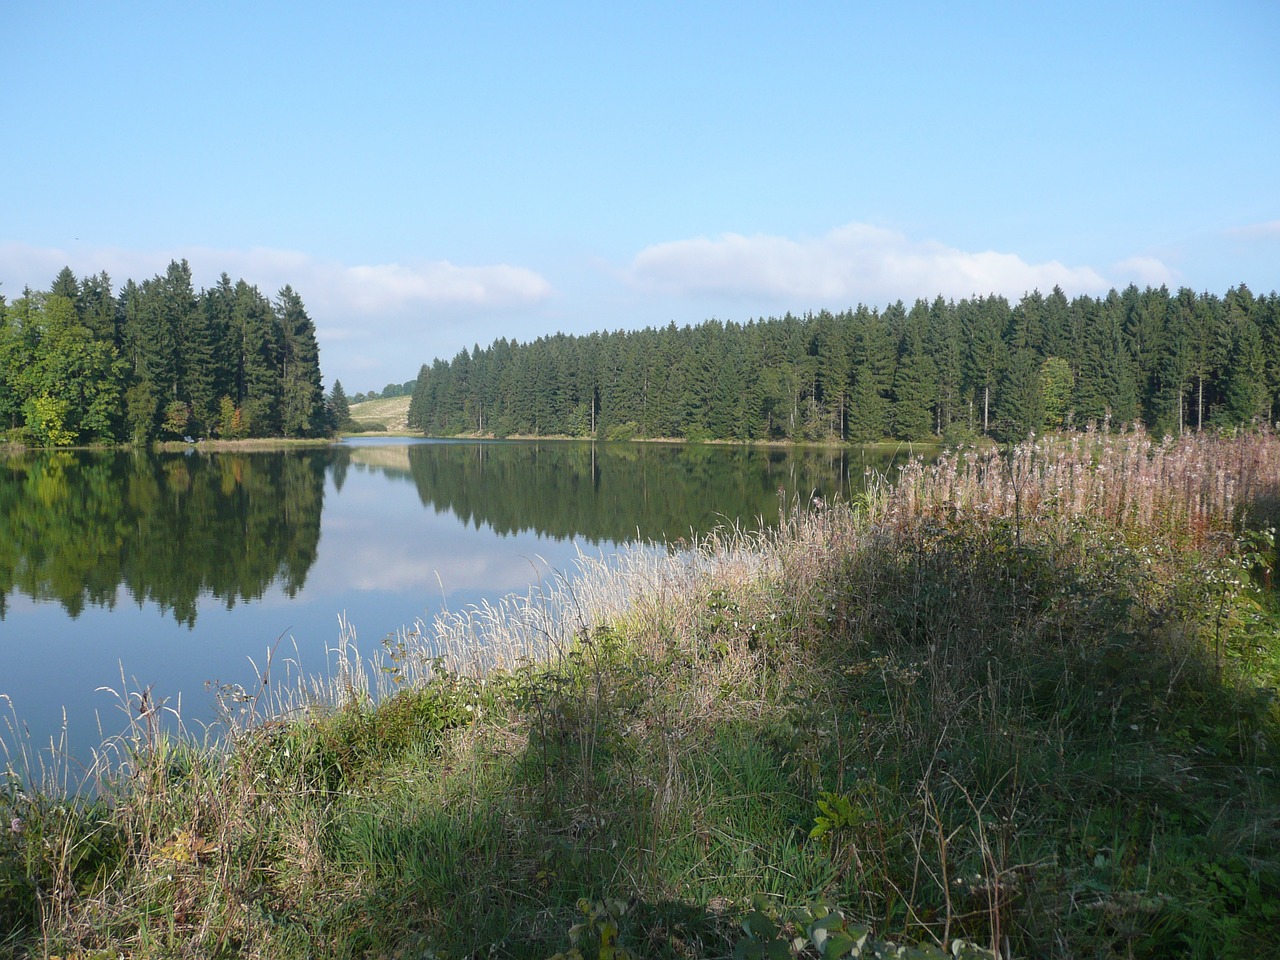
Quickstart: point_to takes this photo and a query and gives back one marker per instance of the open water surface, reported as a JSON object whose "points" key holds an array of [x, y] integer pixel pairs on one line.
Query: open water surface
{"points": [[174, 570]]}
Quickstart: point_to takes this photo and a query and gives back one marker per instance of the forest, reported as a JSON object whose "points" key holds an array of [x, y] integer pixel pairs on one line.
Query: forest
{"points": [[1172, 361], [80, 364]]}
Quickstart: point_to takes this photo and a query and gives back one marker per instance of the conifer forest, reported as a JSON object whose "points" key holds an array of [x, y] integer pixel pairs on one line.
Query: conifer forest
{"points": [[942, 369]]}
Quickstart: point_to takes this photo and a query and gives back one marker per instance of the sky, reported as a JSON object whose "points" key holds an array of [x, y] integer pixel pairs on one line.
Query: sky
{"points": [[433, 176]]}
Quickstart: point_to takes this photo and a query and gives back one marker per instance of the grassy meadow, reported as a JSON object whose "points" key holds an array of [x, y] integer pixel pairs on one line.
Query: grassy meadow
{"points": [[1019, 706], [381, 416]]}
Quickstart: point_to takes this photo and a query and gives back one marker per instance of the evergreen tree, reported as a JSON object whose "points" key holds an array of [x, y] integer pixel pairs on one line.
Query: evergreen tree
{"points": [[1104, 384], [419, 403], [946, 347], [1246, 395], [1144, 330], [873, 362], [302, 392], [339, 409], [191, 349], [255, 336], [98, 309], [1020, 403], [66, 285], [987, 318], [914, 384]]}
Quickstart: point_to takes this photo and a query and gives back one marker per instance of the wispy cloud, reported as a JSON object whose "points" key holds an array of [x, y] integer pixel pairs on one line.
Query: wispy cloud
{"points": [[858, 263], [329, 287], [1269, 230]]}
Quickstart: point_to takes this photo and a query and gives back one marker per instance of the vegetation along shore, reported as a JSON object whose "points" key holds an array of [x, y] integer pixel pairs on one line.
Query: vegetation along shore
{"points": [[1018, 705]]}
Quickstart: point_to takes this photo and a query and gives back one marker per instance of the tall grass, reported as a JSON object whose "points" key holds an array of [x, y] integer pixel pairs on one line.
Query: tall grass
{"points": [[1025, 703]]}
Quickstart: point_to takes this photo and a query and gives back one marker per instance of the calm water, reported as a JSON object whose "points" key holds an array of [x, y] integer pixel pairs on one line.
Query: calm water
{"points": [[175, 569]]}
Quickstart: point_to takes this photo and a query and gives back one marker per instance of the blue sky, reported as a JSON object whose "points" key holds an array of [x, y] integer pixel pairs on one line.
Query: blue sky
{"points": [[430, 176]]}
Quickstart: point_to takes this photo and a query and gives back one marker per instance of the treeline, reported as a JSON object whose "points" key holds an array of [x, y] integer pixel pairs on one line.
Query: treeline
{"points": [[941, 368], [82, 364], [389, 392]]}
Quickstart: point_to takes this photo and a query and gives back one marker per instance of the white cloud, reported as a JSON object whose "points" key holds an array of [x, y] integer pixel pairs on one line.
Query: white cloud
{"points": [[1270, 230], [853, 263], [1143, 271], [329, 288], [375, 322]]}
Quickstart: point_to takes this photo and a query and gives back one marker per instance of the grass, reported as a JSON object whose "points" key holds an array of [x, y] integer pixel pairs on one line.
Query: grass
{"points": [[387, 416], [1019, 706]]}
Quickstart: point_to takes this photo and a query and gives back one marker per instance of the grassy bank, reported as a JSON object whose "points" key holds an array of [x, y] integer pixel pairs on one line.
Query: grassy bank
{"points": [[1024, 704]]}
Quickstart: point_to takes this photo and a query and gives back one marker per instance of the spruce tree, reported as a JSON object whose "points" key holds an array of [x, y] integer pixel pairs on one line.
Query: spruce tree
{"points": [[302, 393], [339, 408], [914, 387]]}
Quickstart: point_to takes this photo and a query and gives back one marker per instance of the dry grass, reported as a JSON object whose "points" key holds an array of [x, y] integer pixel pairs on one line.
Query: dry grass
{"points": [[392, 414]]}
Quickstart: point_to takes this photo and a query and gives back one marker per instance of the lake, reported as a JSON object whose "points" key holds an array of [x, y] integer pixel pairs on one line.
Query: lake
{"points": [[176, 570]]}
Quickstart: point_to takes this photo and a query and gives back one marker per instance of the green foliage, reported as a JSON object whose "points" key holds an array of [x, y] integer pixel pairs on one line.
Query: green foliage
{"points": [[339, 407], [128, 367], [862, 375], [595, 937], [232, 422], [80, 528], [177, 417], [1057, 382], [823, 932], [46, 420]]}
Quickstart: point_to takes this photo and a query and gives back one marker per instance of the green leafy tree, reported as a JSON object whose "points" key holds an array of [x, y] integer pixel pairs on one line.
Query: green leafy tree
{"points": [[177, 417], [1057, 385], [66, 364], [232, 424], [47, 420]]}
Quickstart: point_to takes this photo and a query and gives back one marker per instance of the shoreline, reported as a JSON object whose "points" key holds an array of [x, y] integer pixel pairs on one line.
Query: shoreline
{"points": [[974, 695]]}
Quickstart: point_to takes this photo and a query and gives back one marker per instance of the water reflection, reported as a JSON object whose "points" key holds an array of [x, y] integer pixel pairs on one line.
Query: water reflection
{"points": [[614, 493], [79, 527], [82, 527], [179, 570]]}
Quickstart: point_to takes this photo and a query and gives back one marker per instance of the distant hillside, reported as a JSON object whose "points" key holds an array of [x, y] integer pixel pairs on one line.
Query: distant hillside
{"points": [[393, 413]]}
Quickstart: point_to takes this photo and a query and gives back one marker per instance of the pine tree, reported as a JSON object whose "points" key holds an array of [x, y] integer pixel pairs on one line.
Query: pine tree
{"points": [[255, 338], [873, 361], [1246, 396], [339, 409], [914, 385], [1020, 410], [1104, 384], [302, 393]]}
